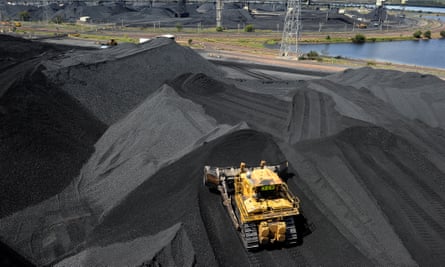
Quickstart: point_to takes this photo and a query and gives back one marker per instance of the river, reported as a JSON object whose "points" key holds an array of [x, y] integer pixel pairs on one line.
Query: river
{"points": [[428, 53], [417, 8]]}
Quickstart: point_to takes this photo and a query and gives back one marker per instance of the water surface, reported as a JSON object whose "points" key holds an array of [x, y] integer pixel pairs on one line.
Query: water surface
{"points": [[428, 53]]}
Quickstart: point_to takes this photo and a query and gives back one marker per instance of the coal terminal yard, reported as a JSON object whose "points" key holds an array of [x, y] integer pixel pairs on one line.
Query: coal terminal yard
{"points": [[269, 15], [102, 156]]}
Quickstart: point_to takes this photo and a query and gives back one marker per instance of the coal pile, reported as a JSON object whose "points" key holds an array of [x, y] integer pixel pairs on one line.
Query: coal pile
{"points": [[170, 247], [111, 82], [150, 14], [367, 159]]}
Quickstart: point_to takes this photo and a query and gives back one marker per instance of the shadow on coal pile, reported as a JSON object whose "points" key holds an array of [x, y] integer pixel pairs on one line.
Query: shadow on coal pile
{"points": [[46, 136], [10, 258]]}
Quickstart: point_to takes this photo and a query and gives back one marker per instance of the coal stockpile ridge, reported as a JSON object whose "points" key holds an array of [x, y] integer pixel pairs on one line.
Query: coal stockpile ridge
{"points": [[228, 104], [111, 82], [317, 108], [14, 50], [362, 107], [46, 136], [18, 49], [415, 96], [314, 115], [160, 130]]}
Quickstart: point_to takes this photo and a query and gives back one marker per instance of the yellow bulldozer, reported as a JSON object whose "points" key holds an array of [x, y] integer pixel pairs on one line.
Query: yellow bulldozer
{"points": [[258, 201]]}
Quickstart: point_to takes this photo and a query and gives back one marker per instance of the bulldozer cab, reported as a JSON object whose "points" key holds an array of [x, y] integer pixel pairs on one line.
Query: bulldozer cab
{"points": [[268, 192], [265, 183]]}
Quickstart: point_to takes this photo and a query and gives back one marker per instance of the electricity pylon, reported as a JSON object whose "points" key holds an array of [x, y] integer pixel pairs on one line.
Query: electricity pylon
{"points": [[291, 29], [219, 7]]}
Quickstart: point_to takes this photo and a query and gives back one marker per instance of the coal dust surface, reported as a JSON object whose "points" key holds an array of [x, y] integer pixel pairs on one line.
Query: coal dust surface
{"points": [[102, 156]]}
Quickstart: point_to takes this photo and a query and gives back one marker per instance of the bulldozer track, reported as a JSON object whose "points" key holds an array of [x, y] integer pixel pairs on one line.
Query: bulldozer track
{"points": [[263, 102], [323, 115], [271, 67], [236, 111], [420, 220], [259, 75], [431, 170], [253, 74], [227, 104], [250, 237], [250, 106], [274, 257], [294, 121], [439, 207], [212, 212], [291, 231], [427, 141], [436, 202], [309, 116], [216, 221], [306, 114], [254, 261], [283, 257], [194, 123]]}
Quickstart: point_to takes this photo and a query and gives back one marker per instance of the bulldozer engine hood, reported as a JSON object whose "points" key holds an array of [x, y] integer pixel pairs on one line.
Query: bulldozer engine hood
{"points": [[259, 206], [263, 177]]}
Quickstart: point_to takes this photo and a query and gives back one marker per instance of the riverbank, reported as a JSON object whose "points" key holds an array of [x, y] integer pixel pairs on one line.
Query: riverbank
{"points": [[241, 49], [324, 64]]}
